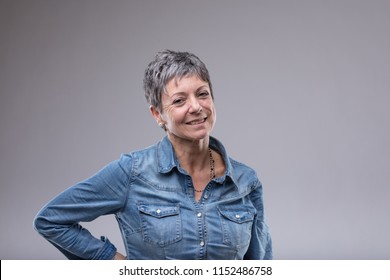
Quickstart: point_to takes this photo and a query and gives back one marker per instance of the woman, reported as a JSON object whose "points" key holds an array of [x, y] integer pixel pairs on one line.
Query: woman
{"points": [[182, 198]]}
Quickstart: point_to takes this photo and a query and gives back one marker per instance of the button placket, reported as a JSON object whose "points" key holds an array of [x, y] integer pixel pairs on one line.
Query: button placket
{"points": [[201, 230]]}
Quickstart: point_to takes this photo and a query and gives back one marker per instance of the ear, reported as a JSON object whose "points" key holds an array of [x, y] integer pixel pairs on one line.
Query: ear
{"points": [[156, 114]]}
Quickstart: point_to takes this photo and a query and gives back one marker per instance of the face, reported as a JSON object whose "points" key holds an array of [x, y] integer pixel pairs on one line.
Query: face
{"points": [[188, 111]]}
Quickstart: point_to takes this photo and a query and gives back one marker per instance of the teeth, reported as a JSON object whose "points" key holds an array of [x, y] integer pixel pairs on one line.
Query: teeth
{"points": [[197, 121]]}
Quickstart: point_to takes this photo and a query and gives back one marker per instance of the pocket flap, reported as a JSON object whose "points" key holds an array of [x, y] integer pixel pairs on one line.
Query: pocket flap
{"points": [[159, 211], [237, 214]]}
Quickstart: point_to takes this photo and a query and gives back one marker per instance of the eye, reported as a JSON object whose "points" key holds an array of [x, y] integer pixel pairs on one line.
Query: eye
{"points": [[203, 94], [178, 101]]}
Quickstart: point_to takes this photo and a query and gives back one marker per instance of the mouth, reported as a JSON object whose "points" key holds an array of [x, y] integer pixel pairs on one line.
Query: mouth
{"points": [[197, 121]]}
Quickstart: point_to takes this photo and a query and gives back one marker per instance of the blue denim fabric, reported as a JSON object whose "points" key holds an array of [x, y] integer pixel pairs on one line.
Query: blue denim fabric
{"points": [[152, 198]]}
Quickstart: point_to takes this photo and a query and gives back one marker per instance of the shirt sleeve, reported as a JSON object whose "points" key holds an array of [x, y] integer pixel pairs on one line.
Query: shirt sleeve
{"points": [[102, 194], [260, 247]]}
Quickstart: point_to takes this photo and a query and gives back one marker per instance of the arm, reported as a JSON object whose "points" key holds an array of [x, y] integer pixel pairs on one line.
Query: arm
{"points": [[260, 246], [102, 194], [119, 256]]}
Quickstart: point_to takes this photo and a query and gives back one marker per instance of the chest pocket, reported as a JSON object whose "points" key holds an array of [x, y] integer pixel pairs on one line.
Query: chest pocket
{"points": [[236, 224], [161, 224]]}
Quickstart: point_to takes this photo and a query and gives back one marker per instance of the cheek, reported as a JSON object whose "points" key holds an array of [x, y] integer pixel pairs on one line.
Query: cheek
{"points": [[172, 116], [213, 111]]}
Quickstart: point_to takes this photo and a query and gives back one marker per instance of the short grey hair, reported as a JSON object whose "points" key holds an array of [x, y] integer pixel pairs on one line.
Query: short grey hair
{"points": [[168, 65]]}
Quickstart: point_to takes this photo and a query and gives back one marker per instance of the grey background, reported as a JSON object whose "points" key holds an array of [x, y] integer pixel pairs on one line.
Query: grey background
{"points": [[302, 95]]}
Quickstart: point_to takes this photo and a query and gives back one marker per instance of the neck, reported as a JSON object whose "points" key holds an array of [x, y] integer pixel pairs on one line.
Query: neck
{"points": [[192, 155]]}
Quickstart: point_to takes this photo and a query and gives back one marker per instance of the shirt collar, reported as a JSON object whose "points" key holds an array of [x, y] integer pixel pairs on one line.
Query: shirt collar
{"points": [[166, 159]]}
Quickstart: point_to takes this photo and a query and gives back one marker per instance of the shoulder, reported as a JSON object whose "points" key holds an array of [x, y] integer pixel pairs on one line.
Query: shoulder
{"points": [[243, 167], [140, 152], [130, 158], [242, 171], [155, 158]]}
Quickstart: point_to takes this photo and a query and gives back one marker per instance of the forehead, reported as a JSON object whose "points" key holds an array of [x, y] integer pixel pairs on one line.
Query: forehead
{"points": [[184, 84]]}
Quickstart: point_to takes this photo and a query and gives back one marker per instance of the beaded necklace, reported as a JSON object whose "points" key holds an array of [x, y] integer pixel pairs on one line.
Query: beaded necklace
{"points": [[212, 168]]}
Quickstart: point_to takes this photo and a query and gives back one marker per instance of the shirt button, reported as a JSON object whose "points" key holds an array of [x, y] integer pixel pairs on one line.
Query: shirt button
{"points": [[199, 215], [237, 216], [201, 243], [158, 211]]}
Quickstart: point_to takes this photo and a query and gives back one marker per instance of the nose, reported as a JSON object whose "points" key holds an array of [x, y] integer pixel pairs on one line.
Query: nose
{"points": [[195, 106]]}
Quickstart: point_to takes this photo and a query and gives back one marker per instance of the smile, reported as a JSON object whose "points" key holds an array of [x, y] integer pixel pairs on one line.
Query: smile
{"points": [[198, 121]]}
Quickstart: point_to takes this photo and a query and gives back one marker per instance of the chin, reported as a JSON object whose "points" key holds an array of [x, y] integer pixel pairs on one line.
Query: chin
{"points": [[191, 135], [200, 136]]}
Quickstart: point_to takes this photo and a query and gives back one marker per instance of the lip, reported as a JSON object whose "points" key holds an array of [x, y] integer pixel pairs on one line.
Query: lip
{"points": [[197, 121]]}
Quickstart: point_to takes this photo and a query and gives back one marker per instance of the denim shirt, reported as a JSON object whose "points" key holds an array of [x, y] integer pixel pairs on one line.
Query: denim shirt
{"points": [[153, 200]]}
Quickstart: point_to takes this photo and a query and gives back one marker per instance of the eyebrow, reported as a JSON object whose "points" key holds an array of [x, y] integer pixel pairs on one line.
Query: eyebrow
{"points": [[206, 86]]}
